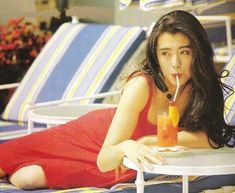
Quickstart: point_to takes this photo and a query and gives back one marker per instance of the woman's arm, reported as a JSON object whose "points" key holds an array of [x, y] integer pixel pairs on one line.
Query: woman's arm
{"points": [[193, 139], [185, 138], [117, 143]]}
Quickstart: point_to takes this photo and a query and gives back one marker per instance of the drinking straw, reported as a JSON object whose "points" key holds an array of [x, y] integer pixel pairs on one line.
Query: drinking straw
{"points": [[177, 88]]}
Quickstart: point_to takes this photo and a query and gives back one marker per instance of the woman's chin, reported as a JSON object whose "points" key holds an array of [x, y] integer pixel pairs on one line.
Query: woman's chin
{"points": [[174, 83]]}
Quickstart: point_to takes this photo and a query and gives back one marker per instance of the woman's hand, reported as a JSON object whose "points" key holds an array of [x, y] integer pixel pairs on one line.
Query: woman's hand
{"points": [[141, 154], [150, 140]]}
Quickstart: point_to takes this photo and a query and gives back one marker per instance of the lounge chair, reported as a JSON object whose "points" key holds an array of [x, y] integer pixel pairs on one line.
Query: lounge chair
{"points": [[230, 102], [79, 60]]}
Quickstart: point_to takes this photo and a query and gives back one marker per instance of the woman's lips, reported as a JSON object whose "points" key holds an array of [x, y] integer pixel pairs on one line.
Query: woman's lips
{"points": [[176, 74]]}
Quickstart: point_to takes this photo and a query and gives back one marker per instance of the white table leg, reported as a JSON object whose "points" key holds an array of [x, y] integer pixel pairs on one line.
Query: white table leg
{"points": [[185, 184], [139, 182], [30, 126]]}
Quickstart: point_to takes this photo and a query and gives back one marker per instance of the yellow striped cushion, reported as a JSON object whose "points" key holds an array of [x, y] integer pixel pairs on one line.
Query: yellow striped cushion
{"points": [[230, 102], [79, 60]]}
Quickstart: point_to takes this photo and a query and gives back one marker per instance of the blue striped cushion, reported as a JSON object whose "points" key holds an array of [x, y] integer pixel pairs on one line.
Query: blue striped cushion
{"points": [[6, 187], [200, 1], [17, 129], [152, 4], [79, 60], [230, 102]]}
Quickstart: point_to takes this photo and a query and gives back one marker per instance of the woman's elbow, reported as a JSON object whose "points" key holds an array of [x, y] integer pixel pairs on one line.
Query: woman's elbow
{"points": [[100, 163], [109, 157]]}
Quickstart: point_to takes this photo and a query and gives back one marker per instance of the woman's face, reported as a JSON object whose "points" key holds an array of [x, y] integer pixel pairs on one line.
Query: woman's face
{"points": [[175, 57]]}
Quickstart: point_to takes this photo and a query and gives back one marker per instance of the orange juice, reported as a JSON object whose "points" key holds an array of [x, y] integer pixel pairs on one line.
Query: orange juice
{"points": [[166, 132]]}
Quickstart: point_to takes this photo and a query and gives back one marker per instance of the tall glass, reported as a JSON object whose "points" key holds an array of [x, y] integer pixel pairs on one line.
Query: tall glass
{"points": [[166, 132]]}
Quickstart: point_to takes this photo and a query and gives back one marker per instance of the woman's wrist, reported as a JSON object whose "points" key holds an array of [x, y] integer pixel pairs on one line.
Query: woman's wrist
{"points": [[123, 146], [149, 140]]}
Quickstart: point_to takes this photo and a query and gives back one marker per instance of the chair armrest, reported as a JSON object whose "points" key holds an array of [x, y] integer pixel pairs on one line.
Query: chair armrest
{"points": [[77, 99], [7, 86]]}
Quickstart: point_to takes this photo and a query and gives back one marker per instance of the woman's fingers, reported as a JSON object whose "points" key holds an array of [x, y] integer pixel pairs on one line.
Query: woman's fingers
{"points": [[145, 162], [148, 157], [140, 162], [153, 157], [136, 162], [158, 156], [143, 155], [161, 158]]}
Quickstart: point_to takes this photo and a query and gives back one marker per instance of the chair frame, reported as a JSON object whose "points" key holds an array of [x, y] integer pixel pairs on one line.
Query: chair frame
{"points": [[38, 113], [228, 25], [8, 86]]}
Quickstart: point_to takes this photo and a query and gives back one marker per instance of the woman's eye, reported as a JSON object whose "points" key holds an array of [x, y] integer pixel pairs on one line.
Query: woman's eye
{"points": [[164, 53], [186, 52]]}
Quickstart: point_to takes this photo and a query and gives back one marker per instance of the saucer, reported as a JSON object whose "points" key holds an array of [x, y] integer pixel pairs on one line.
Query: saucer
{"points": [[170, 151]]}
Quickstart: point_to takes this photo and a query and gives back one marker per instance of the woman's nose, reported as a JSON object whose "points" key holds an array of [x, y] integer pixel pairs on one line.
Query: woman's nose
{"points": [[175, 61]]}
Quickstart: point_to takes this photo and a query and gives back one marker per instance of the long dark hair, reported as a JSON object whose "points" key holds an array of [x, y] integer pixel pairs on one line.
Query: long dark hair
{"points": [[205, 109]]}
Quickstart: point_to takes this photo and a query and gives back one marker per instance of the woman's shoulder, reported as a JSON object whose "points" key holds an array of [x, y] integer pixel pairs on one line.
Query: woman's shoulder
{"points": [[140, 75], [135, 94], [140, 81], [138, 86]]}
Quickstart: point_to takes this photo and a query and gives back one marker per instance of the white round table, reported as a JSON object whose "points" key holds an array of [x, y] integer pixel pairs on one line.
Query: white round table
{"points": [[190, 162], [55, 115]]}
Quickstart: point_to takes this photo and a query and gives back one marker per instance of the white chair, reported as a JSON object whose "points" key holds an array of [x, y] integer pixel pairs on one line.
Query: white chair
{"points": [[61, 111]]}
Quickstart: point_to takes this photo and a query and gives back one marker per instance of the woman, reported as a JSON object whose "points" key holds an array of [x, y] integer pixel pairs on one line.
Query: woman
{"points": [[87, 151]]}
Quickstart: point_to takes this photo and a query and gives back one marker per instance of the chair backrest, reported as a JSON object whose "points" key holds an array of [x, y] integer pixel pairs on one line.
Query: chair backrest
{"points": [[230, 102], [79, 60], [159, 4]]}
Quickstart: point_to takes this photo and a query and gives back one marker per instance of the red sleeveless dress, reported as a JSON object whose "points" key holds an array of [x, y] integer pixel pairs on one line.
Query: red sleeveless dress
{"points": [[67, 153]]}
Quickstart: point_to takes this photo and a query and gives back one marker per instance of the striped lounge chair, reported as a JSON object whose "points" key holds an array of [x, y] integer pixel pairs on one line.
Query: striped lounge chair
{"points": [[163, 5], [230, 102], [148, 5], [79, 60]]}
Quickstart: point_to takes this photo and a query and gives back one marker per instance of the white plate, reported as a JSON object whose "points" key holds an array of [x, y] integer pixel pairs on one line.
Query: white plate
{"points": [[171, 151]]}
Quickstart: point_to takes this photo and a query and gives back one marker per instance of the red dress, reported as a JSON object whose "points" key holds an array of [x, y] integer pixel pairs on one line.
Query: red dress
{"points": [[67, 153]]}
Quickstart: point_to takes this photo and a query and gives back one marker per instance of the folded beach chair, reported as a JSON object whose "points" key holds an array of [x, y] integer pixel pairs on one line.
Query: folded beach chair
{"points": [[79, 60]]}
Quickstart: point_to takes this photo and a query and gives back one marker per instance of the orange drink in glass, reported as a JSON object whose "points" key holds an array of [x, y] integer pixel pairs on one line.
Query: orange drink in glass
{"points": [[167, 127]]}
